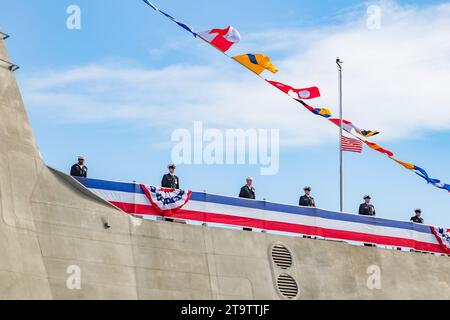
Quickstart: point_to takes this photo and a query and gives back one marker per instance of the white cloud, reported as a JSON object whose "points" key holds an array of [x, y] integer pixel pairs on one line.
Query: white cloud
{"points": [[395, 81]]}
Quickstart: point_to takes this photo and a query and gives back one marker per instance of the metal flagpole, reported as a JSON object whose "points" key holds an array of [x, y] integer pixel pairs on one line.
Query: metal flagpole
{"points": [[341, 154]]}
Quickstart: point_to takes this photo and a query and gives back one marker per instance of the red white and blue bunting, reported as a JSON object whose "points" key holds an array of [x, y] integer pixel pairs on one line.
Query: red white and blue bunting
{"points": [[229, 212], [443, 237], [166, 200]]}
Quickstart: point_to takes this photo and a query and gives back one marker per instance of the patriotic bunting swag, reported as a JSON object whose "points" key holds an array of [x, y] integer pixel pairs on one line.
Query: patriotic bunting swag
{"points": [[166, 200], [224, 39], [443, 237]]}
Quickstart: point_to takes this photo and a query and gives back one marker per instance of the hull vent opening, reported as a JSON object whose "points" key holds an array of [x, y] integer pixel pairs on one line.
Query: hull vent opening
{"points": [[287, 286], [281, 257]]}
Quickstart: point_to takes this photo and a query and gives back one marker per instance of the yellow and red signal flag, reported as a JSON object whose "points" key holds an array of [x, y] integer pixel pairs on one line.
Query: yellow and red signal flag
{"points": [[376, 147]]}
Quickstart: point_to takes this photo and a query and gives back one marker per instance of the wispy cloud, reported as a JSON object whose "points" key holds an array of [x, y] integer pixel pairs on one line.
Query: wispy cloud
{"points": [[394, 82]]}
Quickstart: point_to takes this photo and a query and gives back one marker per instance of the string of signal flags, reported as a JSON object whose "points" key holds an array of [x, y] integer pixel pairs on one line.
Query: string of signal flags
{"points": [[224, 39]]}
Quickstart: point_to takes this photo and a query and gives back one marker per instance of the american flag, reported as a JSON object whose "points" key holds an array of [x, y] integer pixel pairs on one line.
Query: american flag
{"points": [[351, 145]]}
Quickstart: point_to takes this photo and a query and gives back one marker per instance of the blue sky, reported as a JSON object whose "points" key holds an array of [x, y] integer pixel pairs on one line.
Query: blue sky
{"points": [[393, 80]]}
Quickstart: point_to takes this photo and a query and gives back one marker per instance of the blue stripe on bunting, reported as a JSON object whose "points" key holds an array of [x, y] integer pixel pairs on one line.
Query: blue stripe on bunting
{"points": [[110, 185]]}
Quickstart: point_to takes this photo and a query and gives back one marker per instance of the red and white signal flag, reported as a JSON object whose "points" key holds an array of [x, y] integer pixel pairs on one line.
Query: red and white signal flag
{"points": [[222, 39]]}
